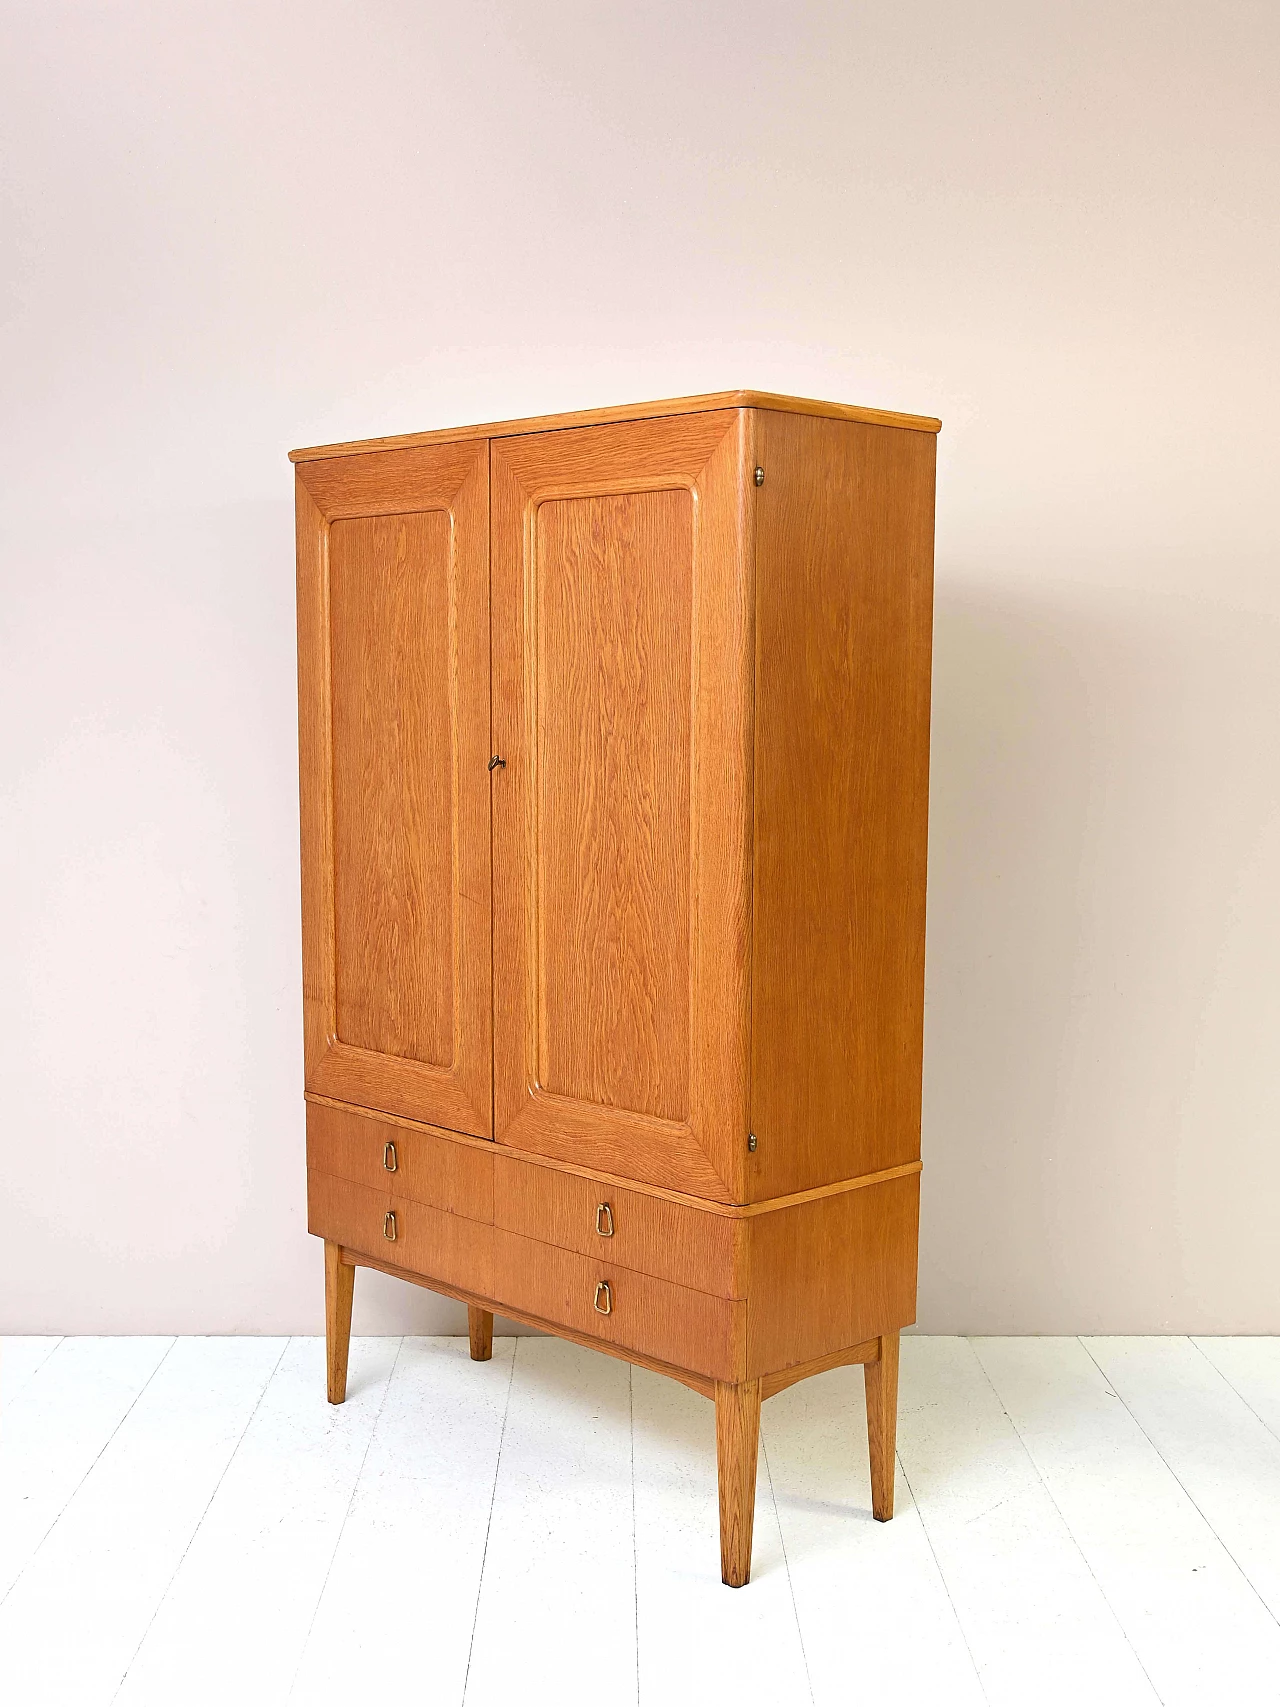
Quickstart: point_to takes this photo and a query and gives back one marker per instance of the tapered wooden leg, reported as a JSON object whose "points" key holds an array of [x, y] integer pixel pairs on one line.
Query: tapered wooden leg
{"points": [[881, 1378], [737, 1438], [480, 1328], [339, 1284]]}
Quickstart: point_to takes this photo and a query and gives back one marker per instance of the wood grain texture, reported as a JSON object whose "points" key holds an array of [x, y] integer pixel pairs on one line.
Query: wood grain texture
{"points": [[689, 1329], [433, 1242], [580, 967], [614, 578], [737, 1446], [480, 1333], [881, 1378], [393, 806], [831, 1273], [844, 574], [427, 1167], [393, 641], [339, 1289], [687, 1246], [628, 412]]}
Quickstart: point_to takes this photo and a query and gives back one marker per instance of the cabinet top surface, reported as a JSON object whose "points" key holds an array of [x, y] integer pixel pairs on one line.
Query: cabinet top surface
{"points": [[628, 412]]}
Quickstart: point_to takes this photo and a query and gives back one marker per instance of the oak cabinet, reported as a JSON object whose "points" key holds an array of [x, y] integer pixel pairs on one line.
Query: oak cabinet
{"points": [[613, 749]]}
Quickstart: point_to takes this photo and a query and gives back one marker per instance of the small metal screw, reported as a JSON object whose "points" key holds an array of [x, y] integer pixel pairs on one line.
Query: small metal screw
{"points": [[495, 761], [751, 1140], [759, 476]]}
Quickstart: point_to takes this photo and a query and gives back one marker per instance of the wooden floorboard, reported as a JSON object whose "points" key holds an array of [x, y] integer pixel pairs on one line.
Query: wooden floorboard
{"points": [[1194, 1622], [1220, 1450], [1090, 1521]]}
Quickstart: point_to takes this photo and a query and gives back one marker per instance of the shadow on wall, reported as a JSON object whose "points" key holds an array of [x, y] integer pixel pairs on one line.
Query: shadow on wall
{"points": [[1101, 1093]]}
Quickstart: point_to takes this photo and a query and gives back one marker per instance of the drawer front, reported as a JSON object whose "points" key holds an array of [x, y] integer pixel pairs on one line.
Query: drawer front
{"points": [[418, 1165], [396, 1230], [691, 1247], [690, 1329], [347, 1213]]}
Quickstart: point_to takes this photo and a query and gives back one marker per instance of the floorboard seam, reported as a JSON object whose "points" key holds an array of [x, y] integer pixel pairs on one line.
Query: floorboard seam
{"points": [[946, 1586], [635, 1555], [63, 1508], [1230, 1383], [196, 1530], [60, 1339], [1062, 1518], [351, 1499], [786, 1566], [488, 1528], [1212, 1528]]}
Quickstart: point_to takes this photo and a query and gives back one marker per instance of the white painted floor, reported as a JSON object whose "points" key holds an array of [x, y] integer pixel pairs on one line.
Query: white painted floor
{"points": [[187, 1521]]}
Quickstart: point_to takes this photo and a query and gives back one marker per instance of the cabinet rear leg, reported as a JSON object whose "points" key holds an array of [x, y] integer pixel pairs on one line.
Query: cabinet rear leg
{"points": [[881, 1379], [339, 1284], [737, 1440], [480, 1330]]}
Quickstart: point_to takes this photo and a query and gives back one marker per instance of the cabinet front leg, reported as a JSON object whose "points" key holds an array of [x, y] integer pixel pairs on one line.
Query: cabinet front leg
{"points": [[881, 1379], [480, 1330], [339, 1284], [737, 1440]]}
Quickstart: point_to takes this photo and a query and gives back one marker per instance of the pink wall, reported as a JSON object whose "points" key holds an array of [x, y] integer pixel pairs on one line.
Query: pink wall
{"points": [[234, 228]]}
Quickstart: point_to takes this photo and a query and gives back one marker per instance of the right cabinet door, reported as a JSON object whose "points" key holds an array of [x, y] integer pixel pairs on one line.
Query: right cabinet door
{"points": [[621, 614]]}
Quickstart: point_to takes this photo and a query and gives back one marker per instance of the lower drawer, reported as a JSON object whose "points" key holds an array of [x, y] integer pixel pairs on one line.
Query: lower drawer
{"points": [[675, 1324], [396, 1230], [629, 1229]]}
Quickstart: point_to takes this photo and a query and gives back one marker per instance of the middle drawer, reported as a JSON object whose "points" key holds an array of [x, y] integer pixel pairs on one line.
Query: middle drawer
{"points": [[630, 1229]]}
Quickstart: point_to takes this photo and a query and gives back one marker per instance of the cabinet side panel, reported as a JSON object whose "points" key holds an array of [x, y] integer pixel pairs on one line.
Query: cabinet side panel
{"points": [[844, 616], [831, 1273]]}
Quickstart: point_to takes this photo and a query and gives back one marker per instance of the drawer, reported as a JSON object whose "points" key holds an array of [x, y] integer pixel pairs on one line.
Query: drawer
{"points": [[675, 1324], [422, 1166], [396, 1230], [691, 1247]]}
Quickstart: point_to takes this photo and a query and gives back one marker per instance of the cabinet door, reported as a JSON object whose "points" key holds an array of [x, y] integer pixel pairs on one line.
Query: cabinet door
{"points": [[622, 701], [393, 666]]}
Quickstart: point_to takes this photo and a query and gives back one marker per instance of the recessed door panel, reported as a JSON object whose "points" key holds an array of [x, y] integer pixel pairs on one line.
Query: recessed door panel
{"points": [[394, 820], [394, 694], [612, 763], [622, 671]]}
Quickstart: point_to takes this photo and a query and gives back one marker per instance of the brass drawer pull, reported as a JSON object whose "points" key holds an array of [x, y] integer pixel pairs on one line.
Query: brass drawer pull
{"points": [[389, 1225], [604, 1220], [604, 1298], [389, 1161]]}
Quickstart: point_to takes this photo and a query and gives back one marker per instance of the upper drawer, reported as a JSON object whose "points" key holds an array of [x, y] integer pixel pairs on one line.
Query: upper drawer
{"points": [[422, 1166], [628, 1229]]}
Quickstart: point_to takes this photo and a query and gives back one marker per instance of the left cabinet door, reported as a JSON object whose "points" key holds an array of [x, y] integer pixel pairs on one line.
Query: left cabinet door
{"points": [[393, 689]]}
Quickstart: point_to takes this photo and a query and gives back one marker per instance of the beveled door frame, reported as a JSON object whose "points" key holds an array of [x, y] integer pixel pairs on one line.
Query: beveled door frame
{"points": [[453, 478], [710, 456]]}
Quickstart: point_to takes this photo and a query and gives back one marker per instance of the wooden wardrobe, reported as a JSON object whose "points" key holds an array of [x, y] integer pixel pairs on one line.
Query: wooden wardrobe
{"points": [[614, 735]]}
